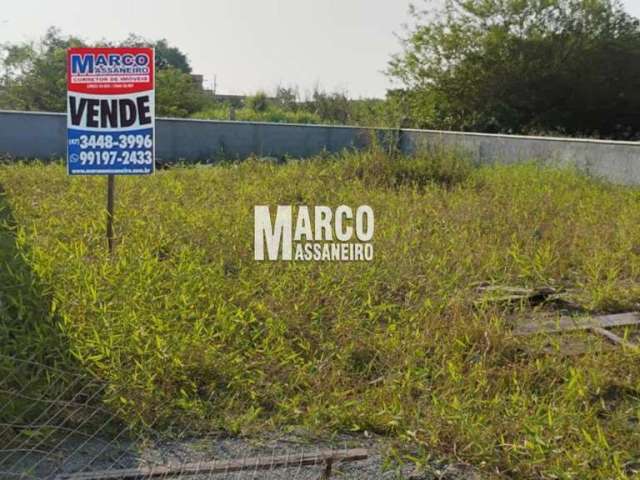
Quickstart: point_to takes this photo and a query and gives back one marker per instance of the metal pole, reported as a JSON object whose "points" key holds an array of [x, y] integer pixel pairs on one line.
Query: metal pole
{"points": [[111, 191]]}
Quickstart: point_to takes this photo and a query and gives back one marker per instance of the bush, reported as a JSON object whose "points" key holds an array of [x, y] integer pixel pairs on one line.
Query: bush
{"points": [[176, 94], [433, 166], [246, 114]]}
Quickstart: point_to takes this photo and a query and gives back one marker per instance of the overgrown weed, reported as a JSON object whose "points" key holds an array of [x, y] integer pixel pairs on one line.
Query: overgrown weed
{"points": [[183, 323]]}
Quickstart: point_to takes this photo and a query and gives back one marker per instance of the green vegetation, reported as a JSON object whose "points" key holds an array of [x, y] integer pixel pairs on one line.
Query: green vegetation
{"points": [[259, 108], [32, 77], [288, 106], [183, 323], [513, 66], [33, 74], [176, 95], [563, 67]]}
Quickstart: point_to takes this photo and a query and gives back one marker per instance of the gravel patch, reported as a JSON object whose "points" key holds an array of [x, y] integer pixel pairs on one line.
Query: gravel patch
{"points": [[99, 454]]}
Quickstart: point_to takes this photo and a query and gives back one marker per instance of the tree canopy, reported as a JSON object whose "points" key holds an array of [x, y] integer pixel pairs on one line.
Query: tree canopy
{"points": [[33, 74], [522, 66]]}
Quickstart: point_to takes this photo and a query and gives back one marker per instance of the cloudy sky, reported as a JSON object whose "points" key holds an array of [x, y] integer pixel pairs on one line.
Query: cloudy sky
{"points": [[245, 44]]}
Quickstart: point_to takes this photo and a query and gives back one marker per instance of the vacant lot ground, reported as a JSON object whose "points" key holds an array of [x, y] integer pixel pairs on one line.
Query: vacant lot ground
{"points": [[184, 325]]}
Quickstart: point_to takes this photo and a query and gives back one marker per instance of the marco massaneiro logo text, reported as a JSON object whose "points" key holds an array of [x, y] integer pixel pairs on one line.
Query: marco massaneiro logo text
{"points": [[317, 233]]}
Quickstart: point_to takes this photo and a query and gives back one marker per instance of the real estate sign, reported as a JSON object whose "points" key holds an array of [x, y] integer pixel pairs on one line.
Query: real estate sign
{"points": [[110, 111]]}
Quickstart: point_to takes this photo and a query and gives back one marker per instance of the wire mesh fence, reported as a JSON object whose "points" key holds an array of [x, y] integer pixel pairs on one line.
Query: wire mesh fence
{"points": [[54, 425]]}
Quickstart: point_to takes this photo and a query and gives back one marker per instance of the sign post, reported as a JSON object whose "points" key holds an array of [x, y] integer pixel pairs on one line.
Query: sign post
{"points": [[111, 191], [110, 116]]}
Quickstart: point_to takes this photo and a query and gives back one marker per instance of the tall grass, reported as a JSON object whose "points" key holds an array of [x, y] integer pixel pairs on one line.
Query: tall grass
{"points": [[183, 322]]}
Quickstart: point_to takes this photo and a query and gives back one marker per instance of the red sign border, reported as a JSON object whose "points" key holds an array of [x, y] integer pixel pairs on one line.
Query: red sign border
{"points": [[104, 88]]}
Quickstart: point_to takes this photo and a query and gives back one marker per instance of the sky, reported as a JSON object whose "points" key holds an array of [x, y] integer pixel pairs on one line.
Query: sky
{"points": [[246, 45]]}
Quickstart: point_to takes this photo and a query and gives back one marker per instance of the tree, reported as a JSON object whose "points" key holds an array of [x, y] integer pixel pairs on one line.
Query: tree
{"points": [[176, 94], [332, 107], [568, 66], [166, 55], [258, 102], [287, 98], [33, 74]]}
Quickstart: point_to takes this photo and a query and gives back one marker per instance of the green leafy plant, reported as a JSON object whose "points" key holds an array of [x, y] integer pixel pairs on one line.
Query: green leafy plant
{"points": [[182, 323]]}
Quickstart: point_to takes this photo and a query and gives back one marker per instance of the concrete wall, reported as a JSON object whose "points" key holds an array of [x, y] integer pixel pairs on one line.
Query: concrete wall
{"points": [[203, 140], [618, 162], [43, 135]]}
